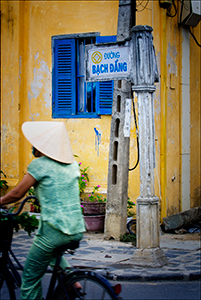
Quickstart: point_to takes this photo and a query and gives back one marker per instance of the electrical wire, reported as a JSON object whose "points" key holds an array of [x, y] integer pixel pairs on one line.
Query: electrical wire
{"points": [[175, 10], [194, 37], [142, 4], [135, 119]]}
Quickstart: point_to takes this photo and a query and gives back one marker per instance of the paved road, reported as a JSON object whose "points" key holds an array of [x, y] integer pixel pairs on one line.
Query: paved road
{"points": [[161, 290], [174, 290]]}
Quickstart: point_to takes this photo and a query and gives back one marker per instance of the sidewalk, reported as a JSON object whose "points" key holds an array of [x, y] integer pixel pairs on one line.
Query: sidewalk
{"points": [[111, 258]]}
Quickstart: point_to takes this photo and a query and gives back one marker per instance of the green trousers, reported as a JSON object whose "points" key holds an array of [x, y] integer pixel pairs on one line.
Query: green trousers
{"points": [[41, 255]]}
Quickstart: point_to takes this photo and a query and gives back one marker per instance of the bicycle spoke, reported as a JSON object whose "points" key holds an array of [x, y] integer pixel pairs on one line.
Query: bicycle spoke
{"points": [[93, 288], [103, 295], [84, 288]]}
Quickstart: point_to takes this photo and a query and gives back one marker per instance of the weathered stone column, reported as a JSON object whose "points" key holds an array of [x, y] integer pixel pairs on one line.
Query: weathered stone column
{"points": [[144, 74]]}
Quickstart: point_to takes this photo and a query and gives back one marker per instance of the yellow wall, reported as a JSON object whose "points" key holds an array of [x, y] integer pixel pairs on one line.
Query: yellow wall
{"points": [[168, 109], [27, 28], [195, 108], [26, 78]]}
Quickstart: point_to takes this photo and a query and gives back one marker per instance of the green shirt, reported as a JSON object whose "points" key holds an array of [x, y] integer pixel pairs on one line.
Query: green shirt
{"points": [[58, 193]]}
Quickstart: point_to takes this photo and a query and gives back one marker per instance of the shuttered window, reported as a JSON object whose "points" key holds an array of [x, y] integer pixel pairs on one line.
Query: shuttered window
{"points": [[64, 78], [71, 95], [105, 94]]}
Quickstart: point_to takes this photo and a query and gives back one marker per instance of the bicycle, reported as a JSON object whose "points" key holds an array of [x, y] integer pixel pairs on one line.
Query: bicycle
{"points": [[131, 225], [61, 286]]}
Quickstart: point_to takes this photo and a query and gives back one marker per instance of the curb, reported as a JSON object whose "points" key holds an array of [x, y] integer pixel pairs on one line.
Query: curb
{"points": [[158, 277]]}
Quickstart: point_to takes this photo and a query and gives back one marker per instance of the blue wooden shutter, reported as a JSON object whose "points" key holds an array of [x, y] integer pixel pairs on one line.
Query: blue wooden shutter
{"points": [[105, 88], [105, 97], [64, 96]]}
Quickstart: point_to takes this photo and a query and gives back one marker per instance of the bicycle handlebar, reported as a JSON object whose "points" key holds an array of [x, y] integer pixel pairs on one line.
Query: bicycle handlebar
{"points": [[21, 206]]}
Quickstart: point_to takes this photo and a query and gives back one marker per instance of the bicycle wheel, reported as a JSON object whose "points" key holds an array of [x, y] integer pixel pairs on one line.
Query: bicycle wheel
{"points": [[131, 226], [94, 287], [6, 286]]}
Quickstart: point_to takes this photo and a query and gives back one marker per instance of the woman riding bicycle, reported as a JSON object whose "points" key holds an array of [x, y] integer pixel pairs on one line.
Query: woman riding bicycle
{"points": [[54, 175]]}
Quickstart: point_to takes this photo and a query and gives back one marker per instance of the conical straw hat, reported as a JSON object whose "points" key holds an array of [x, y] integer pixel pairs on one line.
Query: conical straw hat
{"points": [[50, 138]]}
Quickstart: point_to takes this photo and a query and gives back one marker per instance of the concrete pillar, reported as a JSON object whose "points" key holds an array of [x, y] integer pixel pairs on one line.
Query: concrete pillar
{"points": [[117, 186], [144, 75], [116, 205]]}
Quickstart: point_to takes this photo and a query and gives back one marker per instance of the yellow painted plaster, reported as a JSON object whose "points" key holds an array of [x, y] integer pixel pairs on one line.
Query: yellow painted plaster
{"points": [[195, 109], [35, 24]]}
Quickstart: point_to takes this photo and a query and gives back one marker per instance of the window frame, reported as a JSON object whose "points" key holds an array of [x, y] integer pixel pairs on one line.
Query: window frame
{"points": [[73, 103]]}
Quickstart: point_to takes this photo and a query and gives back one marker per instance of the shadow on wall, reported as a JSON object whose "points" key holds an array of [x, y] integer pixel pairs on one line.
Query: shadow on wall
{"points": [[197, 197]]}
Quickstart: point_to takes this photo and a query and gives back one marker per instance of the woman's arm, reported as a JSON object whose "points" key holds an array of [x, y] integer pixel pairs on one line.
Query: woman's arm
{"points": [[19, 191]]}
